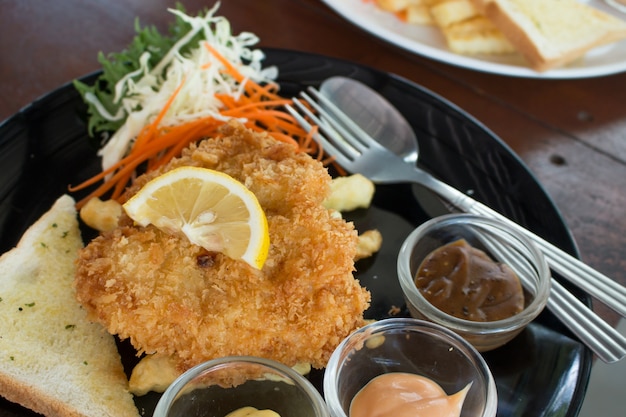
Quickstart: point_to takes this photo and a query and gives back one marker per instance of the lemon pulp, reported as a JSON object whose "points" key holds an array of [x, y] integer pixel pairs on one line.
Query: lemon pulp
{"points": [[212, 209]]}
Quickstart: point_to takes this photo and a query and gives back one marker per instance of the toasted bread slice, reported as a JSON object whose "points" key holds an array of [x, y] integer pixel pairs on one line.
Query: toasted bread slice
{"points": [[419, 14], [446, 13], [466, 30], [476, 35], [552, 33], [53, 360], [392, 5]]}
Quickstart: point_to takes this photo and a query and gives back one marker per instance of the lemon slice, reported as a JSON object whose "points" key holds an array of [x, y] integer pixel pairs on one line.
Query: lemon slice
{"points": [[210, 208]]}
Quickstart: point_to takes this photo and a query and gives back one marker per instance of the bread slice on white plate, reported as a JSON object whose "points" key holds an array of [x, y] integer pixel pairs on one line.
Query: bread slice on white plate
{"points": [[552, 33], [53, 360]]}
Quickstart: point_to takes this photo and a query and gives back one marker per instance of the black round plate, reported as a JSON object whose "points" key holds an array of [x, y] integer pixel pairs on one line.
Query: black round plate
{"points": [[543, 372]]}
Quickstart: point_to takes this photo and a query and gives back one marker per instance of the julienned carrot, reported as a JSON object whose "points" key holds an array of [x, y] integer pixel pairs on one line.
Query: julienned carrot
{"points": [[230, 68], [156, 145], [257, 104], [149, 131]]}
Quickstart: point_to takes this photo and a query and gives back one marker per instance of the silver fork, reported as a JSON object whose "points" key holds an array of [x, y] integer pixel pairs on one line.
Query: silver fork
{"points": [[598, 335], [357, 152]]}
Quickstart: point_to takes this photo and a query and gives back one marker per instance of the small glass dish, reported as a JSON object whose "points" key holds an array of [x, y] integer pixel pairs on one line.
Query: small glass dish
{"points": [[221, 386], [502, 244], [408, 345]]}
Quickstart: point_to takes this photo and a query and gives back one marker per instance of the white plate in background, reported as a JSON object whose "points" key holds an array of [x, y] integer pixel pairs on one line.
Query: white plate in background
{"points": [[429, 42]]}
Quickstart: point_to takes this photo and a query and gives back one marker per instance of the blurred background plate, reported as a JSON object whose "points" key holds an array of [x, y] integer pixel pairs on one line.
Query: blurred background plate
{"points": [[543, 372], [429, 42]]}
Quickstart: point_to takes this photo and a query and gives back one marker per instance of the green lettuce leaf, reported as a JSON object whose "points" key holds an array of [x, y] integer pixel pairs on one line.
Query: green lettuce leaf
{"points": [[116, 65]]}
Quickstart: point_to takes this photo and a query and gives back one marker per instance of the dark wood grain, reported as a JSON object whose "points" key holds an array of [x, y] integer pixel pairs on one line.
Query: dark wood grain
{"points": [[571, 133]]}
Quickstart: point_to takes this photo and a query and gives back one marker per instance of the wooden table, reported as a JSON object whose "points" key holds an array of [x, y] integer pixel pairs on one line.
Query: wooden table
{"points": [[570, 133]]}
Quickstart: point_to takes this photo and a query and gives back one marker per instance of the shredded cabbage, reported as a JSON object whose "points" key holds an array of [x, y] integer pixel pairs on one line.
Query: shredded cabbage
{"points": [[142, 93]]}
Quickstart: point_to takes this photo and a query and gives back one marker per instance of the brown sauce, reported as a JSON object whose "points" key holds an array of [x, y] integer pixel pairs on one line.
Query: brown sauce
{"points": [[465, 282]]}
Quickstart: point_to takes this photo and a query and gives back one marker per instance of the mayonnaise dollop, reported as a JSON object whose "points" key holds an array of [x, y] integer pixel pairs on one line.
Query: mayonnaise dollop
{"points": [[399, 394]]}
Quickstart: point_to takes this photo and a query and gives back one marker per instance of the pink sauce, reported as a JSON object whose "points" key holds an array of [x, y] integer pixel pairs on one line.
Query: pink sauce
{"points": [[406, 395]]}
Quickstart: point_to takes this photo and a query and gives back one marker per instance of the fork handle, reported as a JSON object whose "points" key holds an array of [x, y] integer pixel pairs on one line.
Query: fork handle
{"points": [[596, 284], [603, 340]]}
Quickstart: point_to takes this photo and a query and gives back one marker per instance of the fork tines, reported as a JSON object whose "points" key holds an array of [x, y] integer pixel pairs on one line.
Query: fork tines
{"points": [[340, 136]]}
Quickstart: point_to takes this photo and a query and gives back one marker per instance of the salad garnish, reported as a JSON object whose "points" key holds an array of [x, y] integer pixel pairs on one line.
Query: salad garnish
{"points": [[165, 92]]}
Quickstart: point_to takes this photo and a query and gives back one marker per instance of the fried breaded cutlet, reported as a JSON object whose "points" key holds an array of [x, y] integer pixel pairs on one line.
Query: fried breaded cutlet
{"points": [[174, 298]]}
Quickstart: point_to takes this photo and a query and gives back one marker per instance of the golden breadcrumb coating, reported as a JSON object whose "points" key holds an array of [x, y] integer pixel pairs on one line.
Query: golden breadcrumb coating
{"points": [[175, 298]]}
